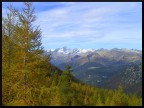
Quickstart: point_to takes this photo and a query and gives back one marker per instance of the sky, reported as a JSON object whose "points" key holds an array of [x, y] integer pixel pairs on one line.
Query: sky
{"points": [[88, 24]]}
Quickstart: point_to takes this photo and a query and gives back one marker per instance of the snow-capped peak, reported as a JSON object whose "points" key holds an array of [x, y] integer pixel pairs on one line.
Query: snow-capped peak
{"points": [[50, 50], [66, 50]]}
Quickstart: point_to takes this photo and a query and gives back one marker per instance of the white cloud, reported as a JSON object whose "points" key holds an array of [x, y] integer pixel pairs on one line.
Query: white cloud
{"points": [[89, 22], [68, 23]]}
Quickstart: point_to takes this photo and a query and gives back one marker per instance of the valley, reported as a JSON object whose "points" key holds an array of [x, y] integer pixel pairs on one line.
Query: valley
{"points": [[102, 67], [38, 71]]}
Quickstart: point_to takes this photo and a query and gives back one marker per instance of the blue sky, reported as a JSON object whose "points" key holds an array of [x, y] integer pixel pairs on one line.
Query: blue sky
{"points": [[88, 24]]}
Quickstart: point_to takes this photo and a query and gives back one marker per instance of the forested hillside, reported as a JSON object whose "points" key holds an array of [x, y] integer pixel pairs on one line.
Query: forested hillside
{"points": [[103, 67], [130, 79], [29, 79]]}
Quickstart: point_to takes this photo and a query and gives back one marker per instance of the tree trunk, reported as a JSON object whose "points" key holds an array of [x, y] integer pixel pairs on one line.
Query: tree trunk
{"points": [[24, 77]]}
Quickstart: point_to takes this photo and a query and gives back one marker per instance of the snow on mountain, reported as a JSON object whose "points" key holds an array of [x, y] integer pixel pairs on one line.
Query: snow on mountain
{"points": [[76, 51], [66, 50], [67, 55], [50, 50]]}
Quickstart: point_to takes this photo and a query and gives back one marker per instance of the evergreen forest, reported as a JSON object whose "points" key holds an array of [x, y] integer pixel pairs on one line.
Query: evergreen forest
{"points": [[29, 79]]}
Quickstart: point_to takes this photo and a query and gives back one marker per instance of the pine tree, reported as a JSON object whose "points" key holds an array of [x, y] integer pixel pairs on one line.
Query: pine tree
{"points": [[21, 49], [8, 53], [28, 77], [28, 39]]}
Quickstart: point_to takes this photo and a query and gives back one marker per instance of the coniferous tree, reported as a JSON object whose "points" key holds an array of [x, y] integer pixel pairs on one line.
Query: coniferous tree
{"points": [[8, 52], [28, 77], [28, 39]]}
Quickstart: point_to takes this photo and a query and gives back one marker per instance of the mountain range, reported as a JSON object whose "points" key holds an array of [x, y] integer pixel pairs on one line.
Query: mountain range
{"points": [[102, 67]]}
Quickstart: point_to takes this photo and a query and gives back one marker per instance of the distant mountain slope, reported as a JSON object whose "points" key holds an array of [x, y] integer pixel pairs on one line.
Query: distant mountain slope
{"points": [[66, 55], [96, 67], [130, 79]]}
